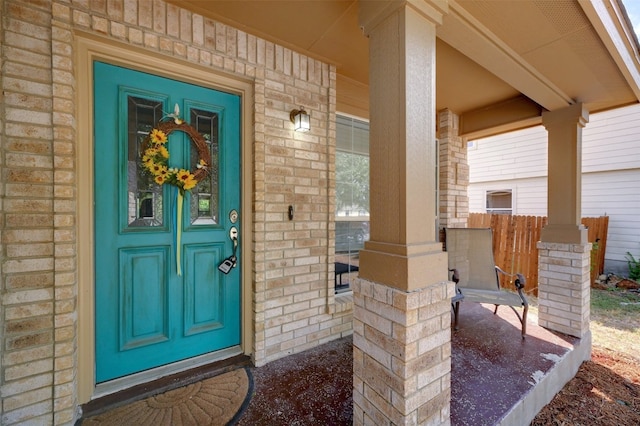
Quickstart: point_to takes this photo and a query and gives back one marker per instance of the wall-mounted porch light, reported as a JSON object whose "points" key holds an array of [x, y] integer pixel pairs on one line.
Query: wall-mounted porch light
{"points": [[300, 120]]}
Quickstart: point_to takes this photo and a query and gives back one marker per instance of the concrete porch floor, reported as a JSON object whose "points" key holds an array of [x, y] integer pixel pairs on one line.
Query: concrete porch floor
{"points": [[497, 377]]}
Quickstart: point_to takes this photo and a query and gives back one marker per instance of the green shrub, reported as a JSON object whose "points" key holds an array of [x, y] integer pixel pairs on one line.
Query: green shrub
{"points": [[634, 266]]}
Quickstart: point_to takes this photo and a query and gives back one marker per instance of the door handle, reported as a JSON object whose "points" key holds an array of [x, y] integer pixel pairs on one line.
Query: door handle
{"points": [[231, 261]]}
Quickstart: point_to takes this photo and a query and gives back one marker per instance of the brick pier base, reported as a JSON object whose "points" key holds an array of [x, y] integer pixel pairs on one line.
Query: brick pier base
{"points": [[564, 288], [402, 354]]}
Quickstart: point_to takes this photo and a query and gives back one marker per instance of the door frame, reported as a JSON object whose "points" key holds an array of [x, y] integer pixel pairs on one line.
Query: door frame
{"points": [[90, 48]]}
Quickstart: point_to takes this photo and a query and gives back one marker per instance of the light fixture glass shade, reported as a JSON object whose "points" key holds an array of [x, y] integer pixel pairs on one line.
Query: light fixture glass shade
{"points": [[301, 120]]}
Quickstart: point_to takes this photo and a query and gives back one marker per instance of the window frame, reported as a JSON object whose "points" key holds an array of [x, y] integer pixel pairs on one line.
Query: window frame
{"points": [[499, 210], [350, 224]]}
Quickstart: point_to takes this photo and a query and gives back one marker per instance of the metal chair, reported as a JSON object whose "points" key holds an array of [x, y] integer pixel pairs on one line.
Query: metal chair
{"points": [[471, 259]]}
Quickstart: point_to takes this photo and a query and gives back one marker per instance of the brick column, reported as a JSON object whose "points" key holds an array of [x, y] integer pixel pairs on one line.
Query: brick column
{"points": [[453, 173], [401, 354], [564, 251], [402, 340], [564, 287]]}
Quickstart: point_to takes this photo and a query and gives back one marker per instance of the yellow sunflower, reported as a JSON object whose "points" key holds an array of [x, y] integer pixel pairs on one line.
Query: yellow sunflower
{"points": [[160, 170], [190, 183], [156, 169], [147, 160], [163, 151], [158, 136], [184, 175], [185, 179]]}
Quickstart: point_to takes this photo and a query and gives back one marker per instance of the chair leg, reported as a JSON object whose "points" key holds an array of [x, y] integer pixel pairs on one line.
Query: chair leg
{"points": [[524, 320], [456, 310]]}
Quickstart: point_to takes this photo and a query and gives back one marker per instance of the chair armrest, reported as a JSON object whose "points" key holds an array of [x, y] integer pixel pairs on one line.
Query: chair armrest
{"points": [[456, 276], [520, 281]]}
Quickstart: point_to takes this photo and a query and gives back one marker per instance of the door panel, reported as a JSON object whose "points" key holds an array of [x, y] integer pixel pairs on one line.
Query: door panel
{"points": [[200, 315], [144, 297], [146, 314]]}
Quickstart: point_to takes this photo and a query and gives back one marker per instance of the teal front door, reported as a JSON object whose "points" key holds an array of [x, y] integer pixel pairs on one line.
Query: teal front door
{"points": [[159, 296]]}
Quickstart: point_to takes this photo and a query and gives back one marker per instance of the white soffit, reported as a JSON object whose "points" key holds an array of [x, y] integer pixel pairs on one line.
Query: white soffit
{"points": [[465, 33], [607, 19], [554, 52]]}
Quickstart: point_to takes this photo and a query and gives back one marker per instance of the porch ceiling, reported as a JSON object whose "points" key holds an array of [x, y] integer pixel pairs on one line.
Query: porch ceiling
{"points": [[499, 63]]}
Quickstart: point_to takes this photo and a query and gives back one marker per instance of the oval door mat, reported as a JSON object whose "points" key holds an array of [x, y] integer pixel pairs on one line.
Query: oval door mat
{"points": [[214, 401]]}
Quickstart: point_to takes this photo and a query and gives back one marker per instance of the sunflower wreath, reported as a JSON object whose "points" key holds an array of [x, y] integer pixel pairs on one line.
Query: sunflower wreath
{"points": [[155, 156]]}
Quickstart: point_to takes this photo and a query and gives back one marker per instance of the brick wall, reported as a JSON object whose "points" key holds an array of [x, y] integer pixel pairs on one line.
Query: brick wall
{"points": [[30, 346], [453, 173], [292, 283]]}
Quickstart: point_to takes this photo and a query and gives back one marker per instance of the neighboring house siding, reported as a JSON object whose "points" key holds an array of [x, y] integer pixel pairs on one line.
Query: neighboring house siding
{"points": [[611, 141], [515, 155], [610, 180], [615, 194]]}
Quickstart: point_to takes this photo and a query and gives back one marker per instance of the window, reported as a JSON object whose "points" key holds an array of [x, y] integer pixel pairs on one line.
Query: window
{"points": [[500, 201], [352, 196], [437, 200]]}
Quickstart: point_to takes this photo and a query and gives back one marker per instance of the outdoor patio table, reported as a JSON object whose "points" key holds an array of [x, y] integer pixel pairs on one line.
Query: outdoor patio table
{"points": [[343, 268]]}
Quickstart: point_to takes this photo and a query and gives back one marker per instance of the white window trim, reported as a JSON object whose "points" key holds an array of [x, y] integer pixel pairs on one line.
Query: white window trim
{"points": [[500, 189]]}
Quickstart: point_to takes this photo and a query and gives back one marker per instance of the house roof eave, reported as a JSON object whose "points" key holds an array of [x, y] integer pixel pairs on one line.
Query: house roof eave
{"points": [[611, 22]]}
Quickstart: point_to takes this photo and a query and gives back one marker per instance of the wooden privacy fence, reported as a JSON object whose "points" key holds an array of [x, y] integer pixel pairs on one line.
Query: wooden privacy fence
{"points": [[515, 241]]}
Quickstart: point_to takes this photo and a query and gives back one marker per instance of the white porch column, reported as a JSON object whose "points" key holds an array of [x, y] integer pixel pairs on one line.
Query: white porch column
{"points": [[402, 335], [564, 252]]}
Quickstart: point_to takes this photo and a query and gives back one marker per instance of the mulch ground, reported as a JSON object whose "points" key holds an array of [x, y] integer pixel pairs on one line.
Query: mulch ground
{"points": [[606, 391], [308, 388]]}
